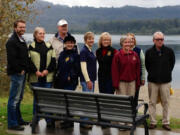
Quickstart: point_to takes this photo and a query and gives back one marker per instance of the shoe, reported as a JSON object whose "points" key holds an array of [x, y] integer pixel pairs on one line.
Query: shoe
{"points": [[166, 127], [16, 128], [152, 126], [85, 126], [24, 123]]}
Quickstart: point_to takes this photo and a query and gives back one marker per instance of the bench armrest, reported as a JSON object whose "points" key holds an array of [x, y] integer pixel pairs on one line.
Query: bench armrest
{"points": [[145, 107]]}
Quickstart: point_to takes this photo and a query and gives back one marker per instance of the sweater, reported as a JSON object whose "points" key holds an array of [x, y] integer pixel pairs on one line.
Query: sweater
{"points": [[125, 67]]}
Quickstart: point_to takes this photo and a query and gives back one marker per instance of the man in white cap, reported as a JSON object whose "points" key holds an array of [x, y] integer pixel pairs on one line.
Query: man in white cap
{"points": [[58, 40]]}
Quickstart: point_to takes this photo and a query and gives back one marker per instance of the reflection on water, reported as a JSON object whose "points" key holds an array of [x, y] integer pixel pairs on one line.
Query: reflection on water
{"points": [[144, 42]]}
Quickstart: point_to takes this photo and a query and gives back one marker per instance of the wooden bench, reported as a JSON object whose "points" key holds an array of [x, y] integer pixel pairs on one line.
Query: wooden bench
{"points": [[71, 105]]}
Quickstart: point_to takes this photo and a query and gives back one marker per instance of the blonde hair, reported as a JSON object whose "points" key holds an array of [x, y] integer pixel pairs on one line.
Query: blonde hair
{"points": [[101, 38], [133, 35], [123, 38], [87, 35], [36, 30]]}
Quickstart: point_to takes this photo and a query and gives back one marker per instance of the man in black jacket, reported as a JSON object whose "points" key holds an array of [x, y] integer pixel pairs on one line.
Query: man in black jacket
{"points": [[159, 63], [17, 59]]}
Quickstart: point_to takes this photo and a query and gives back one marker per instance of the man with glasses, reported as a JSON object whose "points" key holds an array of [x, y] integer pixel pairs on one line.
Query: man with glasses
{"points": [[17, 67], [159, 61]]}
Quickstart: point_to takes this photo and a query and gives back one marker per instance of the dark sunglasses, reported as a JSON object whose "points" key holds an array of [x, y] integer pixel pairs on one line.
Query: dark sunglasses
{"points": [[159, 39]]}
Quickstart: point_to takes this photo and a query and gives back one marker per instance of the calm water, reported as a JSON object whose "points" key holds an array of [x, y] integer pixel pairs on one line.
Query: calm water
{"points": [[143, 41]]}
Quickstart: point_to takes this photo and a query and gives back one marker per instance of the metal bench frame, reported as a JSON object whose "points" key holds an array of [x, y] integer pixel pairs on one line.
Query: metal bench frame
{"points": [[46, 109]]}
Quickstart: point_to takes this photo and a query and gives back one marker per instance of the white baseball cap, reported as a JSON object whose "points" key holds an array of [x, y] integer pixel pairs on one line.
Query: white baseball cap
{"points": [[62, 22]]}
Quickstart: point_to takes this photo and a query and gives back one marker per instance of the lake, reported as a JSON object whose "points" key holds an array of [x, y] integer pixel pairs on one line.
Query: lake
{"points": [[143, 41]]}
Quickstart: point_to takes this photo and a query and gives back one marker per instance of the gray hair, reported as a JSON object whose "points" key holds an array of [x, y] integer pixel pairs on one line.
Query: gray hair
{"points": [[36, 30], [123, 38], [157, 33]]}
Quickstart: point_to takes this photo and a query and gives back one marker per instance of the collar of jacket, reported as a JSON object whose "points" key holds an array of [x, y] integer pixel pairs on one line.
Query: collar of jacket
{"points": [[57, 35], [17, 37], [162, 48], [126, 53], [89, 48], [48, 45]]}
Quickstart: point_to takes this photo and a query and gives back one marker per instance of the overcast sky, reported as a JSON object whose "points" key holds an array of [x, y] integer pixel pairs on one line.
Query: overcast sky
{"points": [[117, 3]]}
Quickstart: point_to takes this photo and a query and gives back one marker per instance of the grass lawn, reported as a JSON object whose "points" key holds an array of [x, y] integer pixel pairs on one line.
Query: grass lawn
{"points": [[26, 109]]}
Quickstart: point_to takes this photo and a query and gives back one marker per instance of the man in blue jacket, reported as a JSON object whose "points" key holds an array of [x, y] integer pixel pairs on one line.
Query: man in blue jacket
{"points": [[17, 67], [159, 63]]}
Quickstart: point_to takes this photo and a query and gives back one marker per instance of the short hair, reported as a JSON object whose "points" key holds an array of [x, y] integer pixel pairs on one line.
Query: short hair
{"points": [[87, 35], [133, 35], [18, 21], [123, 38], [157, 33], [36, 30], [101, 38], [70, 38]]}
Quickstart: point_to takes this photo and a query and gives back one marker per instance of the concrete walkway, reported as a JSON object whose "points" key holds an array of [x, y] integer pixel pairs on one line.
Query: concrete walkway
{"points": [[96, 130]]}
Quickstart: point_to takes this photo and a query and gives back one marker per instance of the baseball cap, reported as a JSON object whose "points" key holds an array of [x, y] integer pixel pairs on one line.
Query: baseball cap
{"points": [[62, 22]]}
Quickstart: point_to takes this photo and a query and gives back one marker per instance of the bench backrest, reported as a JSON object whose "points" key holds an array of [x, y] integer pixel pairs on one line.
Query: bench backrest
{"points": [[80, 104]]}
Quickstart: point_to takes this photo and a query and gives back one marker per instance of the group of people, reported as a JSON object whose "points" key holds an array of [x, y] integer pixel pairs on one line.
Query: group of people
{"points": [[58, 63]]}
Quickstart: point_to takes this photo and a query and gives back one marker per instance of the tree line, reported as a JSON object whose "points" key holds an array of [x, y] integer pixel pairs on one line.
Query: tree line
{"points": [[167, 26]]}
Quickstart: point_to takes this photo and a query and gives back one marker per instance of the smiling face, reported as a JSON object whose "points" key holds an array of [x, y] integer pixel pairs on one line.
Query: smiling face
{"points": [[20, 29], [126, 45], [40, 35], [69, 45], [132, 41], [106, 41], [90, 41], [63, 29]]}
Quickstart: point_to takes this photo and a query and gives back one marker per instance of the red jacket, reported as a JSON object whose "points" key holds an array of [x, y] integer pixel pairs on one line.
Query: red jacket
{"points": [[126, 67]]}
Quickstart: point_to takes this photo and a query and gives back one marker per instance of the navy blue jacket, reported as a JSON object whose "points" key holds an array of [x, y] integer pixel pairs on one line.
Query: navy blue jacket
{"points": [[68, 66]]}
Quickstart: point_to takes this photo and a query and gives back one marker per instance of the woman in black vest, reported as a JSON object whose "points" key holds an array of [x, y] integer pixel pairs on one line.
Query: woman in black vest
{"points": [[104, 56]]}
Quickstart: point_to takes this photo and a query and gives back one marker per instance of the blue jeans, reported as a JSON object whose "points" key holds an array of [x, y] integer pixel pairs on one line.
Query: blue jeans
{"points": [[44, 85], [85, 88], [17, 83]]}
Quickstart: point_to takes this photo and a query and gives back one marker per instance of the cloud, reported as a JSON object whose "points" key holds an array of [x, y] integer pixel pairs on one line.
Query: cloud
{"points": [[117, 3]]}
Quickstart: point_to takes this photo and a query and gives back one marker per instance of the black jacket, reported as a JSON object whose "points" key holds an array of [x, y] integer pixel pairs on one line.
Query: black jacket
{"points": [[104, 71], [17, 55], [159, 64]]}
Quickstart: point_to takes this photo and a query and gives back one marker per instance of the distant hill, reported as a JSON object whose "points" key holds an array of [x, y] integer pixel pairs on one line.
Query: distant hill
{"points": [[80, 17]]}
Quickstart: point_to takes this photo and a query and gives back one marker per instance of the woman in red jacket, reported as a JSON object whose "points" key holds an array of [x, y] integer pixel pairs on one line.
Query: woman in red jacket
{"points": [[125, 69]]}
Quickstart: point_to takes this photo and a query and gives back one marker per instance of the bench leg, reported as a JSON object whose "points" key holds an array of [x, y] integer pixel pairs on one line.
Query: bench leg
{"points": [[146, 128], [34, 122], [132, 130]]}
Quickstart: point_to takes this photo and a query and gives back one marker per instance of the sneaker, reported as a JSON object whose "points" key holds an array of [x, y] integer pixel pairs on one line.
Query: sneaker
{"points": [[166, 127], [16, 128], [152, 126]]}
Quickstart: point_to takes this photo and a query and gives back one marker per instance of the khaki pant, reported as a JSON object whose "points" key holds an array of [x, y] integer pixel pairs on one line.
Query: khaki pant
{"points": [[126, 88], [154, 90]]}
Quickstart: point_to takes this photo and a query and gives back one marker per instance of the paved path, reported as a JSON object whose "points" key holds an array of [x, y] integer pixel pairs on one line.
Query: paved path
{"points": [[96, 130]]}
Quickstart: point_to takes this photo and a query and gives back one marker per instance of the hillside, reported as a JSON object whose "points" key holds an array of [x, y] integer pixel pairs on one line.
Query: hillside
{"points": [[80, 17]]}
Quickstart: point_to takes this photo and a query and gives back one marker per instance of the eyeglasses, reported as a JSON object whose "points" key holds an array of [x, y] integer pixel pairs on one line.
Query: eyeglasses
{"points": [[159, 39]]}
